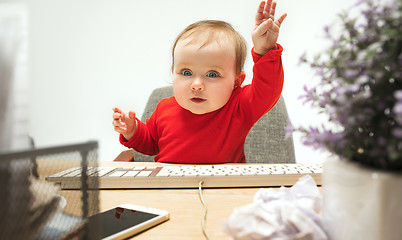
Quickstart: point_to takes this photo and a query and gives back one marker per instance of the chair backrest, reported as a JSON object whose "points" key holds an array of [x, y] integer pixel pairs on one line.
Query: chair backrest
{"points": [[265, 142]]}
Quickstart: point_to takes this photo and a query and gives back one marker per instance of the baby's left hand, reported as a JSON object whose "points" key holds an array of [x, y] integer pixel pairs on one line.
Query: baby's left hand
{"points": [[266, 29]]}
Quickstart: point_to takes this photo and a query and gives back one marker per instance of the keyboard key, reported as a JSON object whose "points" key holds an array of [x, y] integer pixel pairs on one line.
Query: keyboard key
{"points": [[144, 174], [105, 170], [117, 174], [62, 173], [131, 173], [74, 173], [162, 174]]}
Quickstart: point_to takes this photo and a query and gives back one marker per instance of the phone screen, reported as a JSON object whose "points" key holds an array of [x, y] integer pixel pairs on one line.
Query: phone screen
{"points": [[108, 223]]}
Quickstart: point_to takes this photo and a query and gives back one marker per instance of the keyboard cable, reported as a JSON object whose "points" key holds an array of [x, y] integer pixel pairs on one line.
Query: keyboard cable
{"points": [[204, 229]]}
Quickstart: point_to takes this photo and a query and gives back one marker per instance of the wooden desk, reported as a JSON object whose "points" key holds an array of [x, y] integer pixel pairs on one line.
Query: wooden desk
{"points": [[185, 209], [184, 206]]}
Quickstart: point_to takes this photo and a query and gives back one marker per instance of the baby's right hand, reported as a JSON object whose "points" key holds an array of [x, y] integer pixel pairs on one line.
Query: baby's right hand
{"points": [[123, 123]]}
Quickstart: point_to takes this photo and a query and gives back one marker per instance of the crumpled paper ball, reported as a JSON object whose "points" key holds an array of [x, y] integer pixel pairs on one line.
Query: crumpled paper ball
{"points": [[290, 213]]}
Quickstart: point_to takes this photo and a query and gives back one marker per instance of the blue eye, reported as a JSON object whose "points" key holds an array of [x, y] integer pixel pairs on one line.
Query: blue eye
{"points": [[213, 74], [186, 73]]}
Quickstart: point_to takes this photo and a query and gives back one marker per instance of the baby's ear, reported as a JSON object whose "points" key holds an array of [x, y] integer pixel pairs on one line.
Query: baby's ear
{"points": [[239, 79]]}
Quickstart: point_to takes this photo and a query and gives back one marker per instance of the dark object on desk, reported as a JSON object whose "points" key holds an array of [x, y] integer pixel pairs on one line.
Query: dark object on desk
{"points": [[31, 208], [265, 142], [126, 220]]}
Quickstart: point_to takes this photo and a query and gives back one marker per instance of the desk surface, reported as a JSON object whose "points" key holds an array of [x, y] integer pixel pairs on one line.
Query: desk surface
{"points": [[184, 206]]}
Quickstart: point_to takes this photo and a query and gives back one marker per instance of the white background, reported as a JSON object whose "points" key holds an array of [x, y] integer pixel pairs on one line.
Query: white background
{"points": [[86, 56]]}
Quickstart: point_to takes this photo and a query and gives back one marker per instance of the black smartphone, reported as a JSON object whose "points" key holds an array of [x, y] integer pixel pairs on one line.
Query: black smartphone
{"points": [[124, 221]]}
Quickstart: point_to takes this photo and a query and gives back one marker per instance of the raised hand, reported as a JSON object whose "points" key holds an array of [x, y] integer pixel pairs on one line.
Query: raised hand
{"points": [[266, 29], [123, 123]]}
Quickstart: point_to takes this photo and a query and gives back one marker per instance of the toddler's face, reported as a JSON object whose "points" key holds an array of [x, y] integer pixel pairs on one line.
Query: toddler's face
{"points": [[203, 76]]}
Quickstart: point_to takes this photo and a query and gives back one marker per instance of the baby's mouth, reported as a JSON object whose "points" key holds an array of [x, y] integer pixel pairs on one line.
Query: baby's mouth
{"points": [[198, 100]]}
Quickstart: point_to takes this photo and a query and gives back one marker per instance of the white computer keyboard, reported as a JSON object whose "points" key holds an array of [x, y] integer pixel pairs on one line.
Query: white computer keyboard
{"points": [[189, 176]]}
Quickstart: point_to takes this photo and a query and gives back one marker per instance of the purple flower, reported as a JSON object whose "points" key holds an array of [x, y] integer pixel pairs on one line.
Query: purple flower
{"points": [[362, 79], [354, 88], [360, 88], [397, 132], [358, 3], [398, 108], [302, 59], [349, 73], [398, 95]]}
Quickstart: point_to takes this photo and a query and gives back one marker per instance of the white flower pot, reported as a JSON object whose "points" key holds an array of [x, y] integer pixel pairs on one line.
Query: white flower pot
{"points": [[361, 203]]}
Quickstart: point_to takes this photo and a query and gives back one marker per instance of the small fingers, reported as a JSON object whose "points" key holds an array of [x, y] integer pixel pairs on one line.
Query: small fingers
{"points": [[117, 113], [116, 109], [131, 114], [116, 116], [269, 9], [123, 122], [263, 28], [261, 7], [119, 126], [118, 123], [259, 17], [121, 130], [279, 21], [272, 11]]}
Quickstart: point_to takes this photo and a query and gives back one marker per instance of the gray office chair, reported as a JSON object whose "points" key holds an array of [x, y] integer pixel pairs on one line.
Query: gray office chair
{"points": [[265, 142]]}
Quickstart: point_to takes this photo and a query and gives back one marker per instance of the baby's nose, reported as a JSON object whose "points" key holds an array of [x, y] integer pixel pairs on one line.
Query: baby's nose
{"points": [[197, 85]]}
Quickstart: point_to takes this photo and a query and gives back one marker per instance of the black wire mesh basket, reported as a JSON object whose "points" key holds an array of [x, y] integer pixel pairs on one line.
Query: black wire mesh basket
{"points": [[33, 208]]}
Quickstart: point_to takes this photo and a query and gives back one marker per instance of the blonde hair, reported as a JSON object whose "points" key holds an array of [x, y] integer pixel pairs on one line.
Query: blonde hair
{"points": [[216, 29]]}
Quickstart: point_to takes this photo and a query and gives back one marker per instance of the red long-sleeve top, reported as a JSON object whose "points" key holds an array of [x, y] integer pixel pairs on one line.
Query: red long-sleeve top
{"points": [[176, 135]]}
